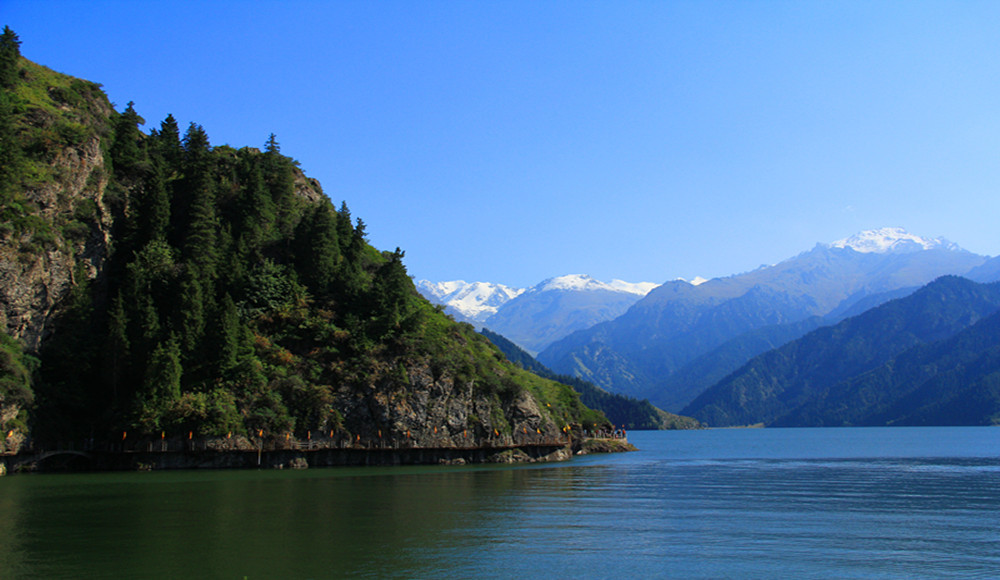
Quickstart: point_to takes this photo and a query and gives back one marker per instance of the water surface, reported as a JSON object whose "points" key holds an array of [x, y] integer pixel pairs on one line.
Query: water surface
{"points": [[847, 503]]}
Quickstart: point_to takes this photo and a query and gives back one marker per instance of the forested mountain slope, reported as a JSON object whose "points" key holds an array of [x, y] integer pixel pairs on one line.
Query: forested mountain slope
{"points": [[156, 284], [860, 370]]}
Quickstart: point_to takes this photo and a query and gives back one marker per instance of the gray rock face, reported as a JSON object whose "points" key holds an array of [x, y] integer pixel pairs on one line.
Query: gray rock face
{"points": [[37, 270], [429, 411]]}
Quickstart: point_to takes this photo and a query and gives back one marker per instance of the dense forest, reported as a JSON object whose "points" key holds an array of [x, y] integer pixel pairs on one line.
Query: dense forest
{"points": [[218, 291]]}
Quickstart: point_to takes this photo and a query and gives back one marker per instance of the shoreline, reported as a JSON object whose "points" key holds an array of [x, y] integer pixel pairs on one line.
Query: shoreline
{"points": [[209, 457]]}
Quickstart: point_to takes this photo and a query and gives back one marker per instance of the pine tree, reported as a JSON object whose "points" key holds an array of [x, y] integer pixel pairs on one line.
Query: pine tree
{"points": [[191, 307], [10, 146], [10, 54], [255, 213], [168, 144], [317, 253], [152, 207], [127, 156], [117, 351], [162, 385], [279, 175], [196, 223]]}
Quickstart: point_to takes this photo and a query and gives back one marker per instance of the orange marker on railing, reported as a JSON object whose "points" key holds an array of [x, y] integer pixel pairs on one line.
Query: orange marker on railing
{"points": [[123, 435]]}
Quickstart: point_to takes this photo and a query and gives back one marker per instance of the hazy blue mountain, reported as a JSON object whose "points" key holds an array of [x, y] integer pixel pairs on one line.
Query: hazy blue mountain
{"points": [[949, 382], [560, 306], [988, 272], [677, 323], [623, 411], [680, 388], [820, 379]]}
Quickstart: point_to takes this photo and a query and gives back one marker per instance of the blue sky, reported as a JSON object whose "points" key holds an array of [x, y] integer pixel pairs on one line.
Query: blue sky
{"points": [[515, 141]]}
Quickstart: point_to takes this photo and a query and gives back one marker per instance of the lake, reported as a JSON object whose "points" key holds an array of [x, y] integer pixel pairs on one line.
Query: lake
{"points": [[751, 503]]}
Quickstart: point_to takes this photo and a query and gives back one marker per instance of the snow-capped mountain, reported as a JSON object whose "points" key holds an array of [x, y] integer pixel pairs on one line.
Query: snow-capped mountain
{"points": [[671, 329], [535, 317], [584, 283], [559, 306], [470, 301], [891, 240]]}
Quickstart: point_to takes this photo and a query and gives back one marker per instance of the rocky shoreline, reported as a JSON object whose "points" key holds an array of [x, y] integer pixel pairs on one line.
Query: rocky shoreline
{"points": [[213, 454]]}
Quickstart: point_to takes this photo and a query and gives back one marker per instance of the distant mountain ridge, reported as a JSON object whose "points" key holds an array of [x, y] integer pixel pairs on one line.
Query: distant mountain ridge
{"points": [[677, 323], [922, 359], [468, 301], [535, 317], [891, 240]]}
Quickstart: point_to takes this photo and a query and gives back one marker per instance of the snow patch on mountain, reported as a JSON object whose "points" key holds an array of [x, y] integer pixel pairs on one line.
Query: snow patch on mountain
{"points": [[474, 300], [891, 240], [582, 282], [696, 281]]}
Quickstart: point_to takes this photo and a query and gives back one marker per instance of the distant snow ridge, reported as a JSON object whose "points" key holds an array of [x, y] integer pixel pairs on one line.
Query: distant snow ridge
{"points": [[891, 240], [474, 300], [582, 282]]}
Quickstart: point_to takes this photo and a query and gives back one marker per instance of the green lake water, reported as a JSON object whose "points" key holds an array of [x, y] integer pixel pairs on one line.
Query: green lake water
{"points": [[846, 503]]}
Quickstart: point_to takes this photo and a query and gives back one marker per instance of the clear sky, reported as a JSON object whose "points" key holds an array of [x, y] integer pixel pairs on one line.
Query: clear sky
{"points": [[512, 141]]}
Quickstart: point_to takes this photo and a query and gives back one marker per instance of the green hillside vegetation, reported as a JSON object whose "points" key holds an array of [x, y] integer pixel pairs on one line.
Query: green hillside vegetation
{"points": [[234, 297], [621, 410], [849, 373], [949, 382]]}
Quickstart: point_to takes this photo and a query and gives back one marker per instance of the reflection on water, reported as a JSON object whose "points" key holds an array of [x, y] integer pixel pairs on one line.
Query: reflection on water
{"points": [[815, 503]]}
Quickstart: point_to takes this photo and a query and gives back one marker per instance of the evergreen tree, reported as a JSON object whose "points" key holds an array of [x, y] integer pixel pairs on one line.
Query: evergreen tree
{"points": [[191, 311], [255, 213], [10, 147], [317, 253], [229, 338], [168, 144], [345, 231], [10, 54], [279, 175], [152, 207], [200, 226], [162, 385], [393, 295], [127, 156], [117, 350]]}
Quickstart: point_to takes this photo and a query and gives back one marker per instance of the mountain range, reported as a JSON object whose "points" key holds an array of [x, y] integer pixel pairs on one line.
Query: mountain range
{"points": [[535, 317], [686, 330], [671, 343], [932, 357]]}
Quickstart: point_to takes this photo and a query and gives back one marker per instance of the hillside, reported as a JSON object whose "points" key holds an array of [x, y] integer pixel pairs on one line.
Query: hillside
{"points": [[157, 285], [860, 370], [622, 411]]}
